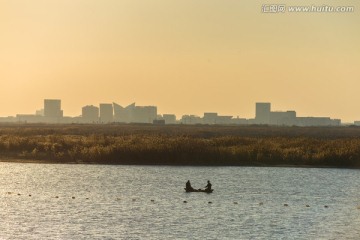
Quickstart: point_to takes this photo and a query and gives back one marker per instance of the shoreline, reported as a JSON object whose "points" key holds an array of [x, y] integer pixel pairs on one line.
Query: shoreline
{"points": [[38, 161]]}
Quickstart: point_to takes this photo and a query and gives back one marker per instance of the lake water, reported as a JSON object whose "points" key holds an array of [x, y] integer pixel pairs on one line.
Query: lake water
{"points": [[145, 202]]}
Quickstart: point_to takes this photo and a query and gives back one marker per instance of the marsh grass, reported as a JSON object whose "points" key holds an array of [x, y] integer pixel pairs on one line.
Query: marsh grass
{"points": [[183, 145]]}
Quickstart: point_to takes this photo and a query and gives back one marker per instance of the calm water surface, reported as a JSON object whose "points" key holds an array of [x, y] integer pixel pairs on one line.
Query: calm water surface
{"points": [[143, 202]]}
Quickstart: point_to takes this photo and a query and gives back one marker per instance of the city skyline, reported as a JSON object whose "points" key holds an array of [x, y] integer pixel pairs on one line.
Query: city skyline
{"points": [[187, 56], [52, 112], [249, 112]]}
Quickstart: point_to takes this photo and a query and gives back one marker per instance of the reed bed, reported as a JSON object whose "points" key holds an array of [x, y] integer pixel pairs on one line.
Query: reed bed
{"points": [[182, 145]]}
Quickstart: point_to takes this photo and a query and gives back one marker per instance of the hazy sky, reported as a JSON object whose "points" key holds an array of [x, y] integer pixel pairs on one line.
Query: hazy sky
{"points": [[184, 56]]}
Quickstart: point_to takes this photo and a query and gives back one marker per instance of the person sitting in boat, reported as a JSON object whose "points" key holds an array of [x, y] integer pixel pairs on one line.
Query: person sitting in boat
{"points": [[188, 186], [208, 186]]}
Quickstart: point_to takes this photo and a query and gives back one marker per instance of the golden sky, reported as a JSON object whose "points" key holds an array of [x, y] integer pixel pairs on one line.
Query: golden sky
{"points": [[184, 56]]}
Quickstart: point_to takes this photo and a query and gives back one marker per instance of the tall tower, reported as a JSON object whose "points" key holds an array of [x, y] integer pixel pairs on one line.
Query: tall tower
{"points": [[263, 113]]}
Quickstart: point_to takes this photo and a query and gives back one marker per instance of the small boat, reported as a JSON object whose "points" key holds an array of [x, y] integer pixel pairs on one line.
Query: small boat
{"points": [[199, 190]]}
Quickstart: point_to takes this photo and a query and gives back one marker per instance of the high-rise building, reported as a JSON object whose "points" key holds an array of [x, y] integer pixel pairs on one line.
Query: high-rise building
{"points": [[106, 112], [90, 114], [52, 108], [263, 113]]}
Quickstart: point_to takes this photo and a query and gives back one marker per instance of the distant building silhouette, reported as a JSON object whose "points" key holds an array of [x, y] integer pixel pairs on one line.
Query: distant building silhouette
{"points": [[39, 112], [119, 113], [31, 118], [90, 114], [262, 115], [134, 114], [239, 121], [106, 113], [169, 118], [224, 120], [52, 111], [52, 108], [317, 121], [191, 119], [144, 114], [123, 114], [287, 118], [9, 119], [214, 118], [210, 118]]}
